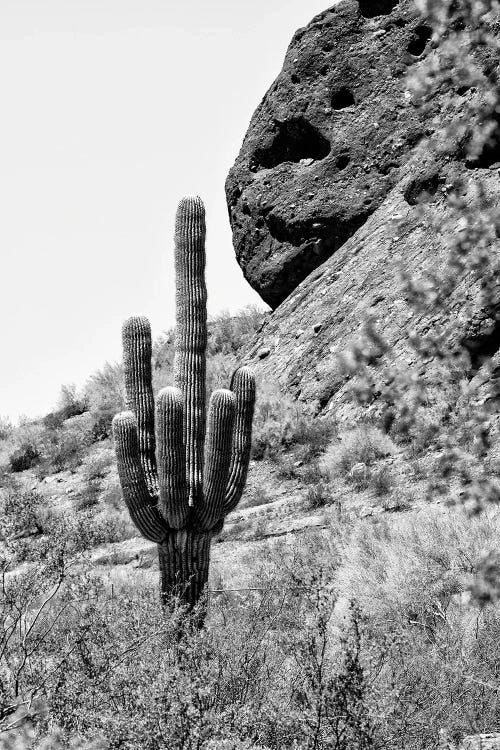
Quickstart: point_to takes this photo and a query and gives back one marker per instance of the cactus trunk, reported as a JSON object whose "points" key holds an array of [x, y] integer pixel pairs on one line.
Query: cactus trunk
{"points": [[184, 559]]}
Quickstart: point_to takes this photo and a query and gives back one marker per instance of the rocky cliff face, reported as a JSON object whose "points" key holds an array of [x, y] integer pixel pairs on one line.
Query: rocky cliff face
{"points": [[325, 194], [301, 341]]}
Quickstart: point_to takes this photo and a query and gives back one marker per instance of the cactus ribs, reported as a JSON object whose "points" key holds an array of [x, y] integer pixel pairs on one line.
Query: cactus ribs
{"points": [[181, 479]]}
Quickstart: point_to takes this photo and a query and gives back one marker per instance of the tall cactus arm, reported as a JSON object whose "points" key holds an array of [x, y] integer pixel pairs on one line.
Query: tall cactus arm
{"points": [[217, 458], [143, 512], [137, 347], [243, 386], [174, 504], [191, 334]]}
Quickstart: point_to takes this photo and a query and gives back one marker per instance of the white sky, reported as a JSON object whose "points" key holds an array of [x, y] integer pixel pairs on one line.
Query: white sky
{"points": [[111, 111]]}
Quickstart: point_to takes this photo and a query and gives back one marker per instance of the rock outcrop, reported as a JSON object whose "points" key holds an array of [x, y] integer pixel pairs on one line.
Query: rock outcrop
{"points": [[326, 314], [328, 142], [325, 196]]}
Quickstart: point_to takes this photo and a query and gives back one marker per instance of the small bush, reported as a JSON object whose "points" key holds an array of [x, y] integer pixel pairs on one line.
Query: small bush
{"points": [[259, 528], [89, 529], [314, 435], [238, 530], [88, 497], [382, 480], [6, 428], [70, 403], [286, 467], [101, 426], [312, 473], [65, 448], [318, 496], [96, 466], [280, 423], [360, 446], [227, 333], [24, 457], [22, 519], [259, 496], [113, 498], [360, 476]]}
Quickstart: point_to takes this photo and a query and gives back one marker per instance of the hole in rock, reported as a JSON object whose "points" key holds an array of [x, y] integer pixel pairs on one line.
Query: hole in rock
{"points": [[372, 8], [342, 161], [421, 189], [482, 347], [419, 41], [342, 98], [462, 90], [295, 78], [490, 153], [294, 140]]}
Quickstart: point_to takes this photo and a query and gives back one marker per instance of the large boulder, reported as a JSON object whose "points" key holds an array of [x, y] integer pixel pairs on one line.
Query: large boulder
{"points": [[328, 142]]}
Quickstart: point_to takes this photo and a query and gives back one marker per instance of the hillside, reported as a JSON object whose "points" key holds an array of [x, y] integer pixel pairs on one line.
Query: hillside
{"points": [[346, 507]]}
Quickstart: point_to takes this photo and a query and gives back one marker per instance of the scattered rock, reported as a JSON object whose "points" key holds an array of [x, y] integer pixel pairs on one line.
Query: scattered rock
{"points": [[264, 352]]}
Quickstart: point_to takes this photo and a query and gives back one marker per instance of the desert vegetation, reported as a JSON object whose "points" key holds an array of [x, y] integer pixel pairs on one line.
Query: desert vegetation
{"points": [[353, 593]]}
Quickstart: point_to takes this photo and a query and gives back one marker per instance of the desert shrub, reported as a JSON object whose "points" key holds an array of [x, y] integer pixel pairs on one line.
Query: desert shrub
{"points": [[361, 446], [65, 448], [220, 368], [287, 468], [383, 480], [24, 457], [259, 527], [89, 529], [397, 501], [104, 393], [20, 511], [241, 529], [6, 428], [314, 435], [279, 423], [104, 390], [101, 427], [88, 495], [113, 498], [413, 566], [379, 478], [312, 473], [317, 496], [97, 465], [292, 658], [227, 333], [258, 496], [70, 403]]}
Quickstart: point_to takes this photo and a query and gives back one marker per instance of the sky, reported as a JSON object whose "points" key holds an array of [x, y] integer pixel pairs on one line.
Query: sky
{"points": [[112, 110]]}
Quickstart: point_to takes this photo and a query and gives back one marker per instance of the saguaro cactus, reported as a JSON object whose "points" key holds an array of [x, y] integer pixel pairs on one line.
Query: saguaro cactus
{"points": [[178, 487]]}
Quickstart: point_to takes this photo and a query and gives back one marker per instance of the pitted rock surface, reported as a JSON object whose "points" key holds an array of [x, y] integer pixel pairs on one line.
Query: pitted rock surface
{"points": [[327, 143]]}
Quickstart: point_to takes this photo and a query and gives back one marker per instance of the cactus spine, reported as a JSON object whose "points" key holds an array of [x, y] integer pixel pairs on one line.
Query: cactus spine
{"points": [[179, 475]]}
